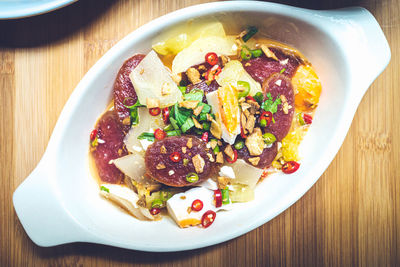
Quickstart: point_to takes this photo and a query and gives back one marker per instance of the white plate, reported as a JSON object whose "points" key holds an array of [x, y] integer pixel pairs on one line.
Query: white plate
{"points": [[59, 202], [13, 9]]}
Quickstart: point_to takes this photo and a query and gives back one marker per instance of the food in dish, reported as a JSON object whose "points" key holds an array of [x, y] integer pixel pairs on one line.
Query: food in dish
{"points": [[196, 124]]}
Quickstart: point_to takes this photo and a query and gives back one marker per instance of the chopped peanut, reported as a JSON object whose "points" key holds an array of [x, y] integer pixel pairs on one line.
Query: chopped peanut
{"points": [[197, 110], [254, 160], [255, 143], [163, 150], [198, 163], [220, 158], [229, 152], [189, 143], [189, 104], [213, 143], [251, 121], [193, 75], [215, 129], [210, 157], [126, 121], [184, 149], [209, 117], [223, 182], [160, 166], [196, 123]]}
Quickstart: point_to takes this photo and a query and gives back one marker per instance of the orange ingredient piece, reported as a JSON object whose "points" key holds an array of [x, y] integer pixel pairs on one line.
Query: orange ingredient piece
{"points": [[229, 107], [308, 87]]}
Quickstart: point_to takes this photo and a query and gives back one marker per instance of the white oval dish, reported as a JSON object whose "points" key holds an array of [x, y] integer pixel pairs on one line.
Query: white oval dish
{"points": [[59, 202], [12, 9]]}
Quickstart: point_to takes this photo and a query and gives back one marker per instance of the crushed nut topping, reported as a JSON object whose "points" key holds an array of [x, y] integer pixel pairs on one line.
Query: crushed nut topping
{"points": [[247, 64], [160, 166], [198, 163], [163, 150], [285, 105], [171, 172], [197, 110], [268, 52], [183, 197], [196, 123], [152, 102], [215, 129], [189, 143], [223, 182], [184, 149], [229, 152], [120, 152], [209, 117], [219, 143], [254, 160], [189, 210], [189, 104], [255, 143], [210, 157], [251, 121], [126, 121], [213, 143], [193, 75], [220, 158]]}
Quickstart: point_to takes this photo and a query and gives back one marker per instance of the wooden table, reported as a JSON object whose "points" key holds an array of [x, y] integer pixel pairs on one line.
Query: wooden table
{"points": [[351, 216]]}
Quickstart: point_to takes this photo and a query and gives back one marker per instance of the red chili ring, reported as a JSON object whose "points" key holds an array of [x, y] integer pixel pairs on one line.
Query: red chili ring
{"points": [[267, 116], [93, 135], [307, 118], [218, 198], [155, 211], [165, 115], [213, 72], [154, 111], [290, 167], [197, 205], [204, 137], [159, 134], [211, 58], [175, 156], [228, 159], [208, 218]]}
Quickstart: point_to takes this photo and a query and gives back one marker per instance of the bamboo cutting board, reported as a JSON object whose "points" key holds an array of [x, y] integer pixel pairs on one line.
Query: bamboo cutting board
{"points": [[351, 216]]}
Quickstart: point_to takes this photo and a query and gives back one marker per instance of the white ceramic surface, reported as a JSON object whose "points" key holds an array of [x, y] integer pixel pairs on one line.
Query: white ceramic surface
{"points": [[13, 9], [59, 202]]}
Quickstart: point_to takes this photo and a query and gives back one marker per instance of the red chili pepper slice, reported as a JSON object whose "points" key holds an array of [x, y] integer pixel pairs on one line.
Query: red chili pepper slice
{"points": [[204, 137], [154, 111], [267, 116], [307, 118], [93, 135], [249, 97], [242, 134], [218, 198], [228, 159], [212, 58], [197, 205], [213, 72], [208, 218], [175, 156], [290, 167], [155, 211], [165, 115], [159, 134]]}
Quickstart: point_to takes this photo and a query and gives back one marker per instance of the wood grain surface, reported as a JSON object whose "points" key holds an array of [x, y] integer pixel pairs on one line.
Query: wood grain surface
{"points": [[350, 217]]}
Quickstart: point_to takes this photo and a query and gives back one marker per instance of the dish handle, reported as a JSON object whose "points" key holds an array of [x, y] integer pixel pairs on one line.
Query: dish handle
{"points": [[362, 41], [41, 212]]}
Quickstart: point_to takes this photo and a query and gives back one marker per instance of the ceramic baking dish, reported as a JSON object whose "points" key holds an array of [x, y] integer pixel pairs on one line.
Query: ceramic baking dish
{"points": [[59, 202]]}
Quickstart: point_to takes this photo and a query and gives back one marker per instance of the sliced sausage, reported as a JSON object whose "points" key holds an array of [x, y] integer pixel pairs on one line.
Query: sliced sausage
{"points": [[160, 167], [277, 85], [110, 146], [213, 86], [123, 87]]}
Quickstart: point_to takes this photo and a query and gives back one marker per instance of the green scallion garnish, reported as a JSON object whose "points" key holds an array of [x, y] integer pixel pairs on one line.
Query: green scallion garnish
{"points": [[192, 177], [103, 188], [251, 30]]}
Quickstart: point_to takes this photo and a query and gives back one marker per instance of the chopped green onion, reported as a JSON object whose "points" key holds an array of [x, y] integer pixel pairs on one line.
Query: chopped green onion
{"points": [[174, 133], [251, 30], [174, 123], [182, 89], [245, 53], [259, 97], [256, 52], [269, 138], [239, 144], [134, 116], [192, 177], [263, 123], [146, 136], [103, 188], [282, 71], [187, 125], [157, 203], [202, 117], [206, 126], [246, 88], [216, 149], [185, 162], [225, 196], [169, 127], [301, 120]]}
